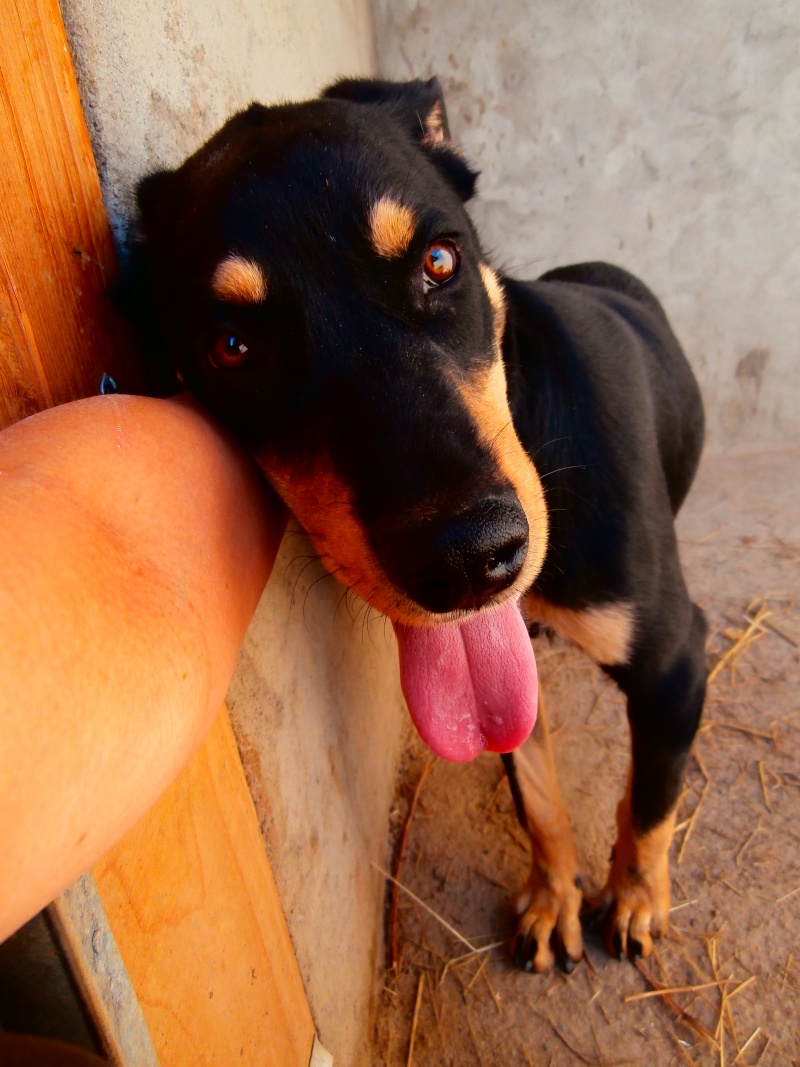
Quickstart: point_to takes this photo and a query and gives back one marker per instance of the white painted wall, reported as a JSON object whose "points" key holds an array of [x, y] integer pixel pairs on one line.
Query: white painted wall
{"points": [[661, 136], [315, 701]]}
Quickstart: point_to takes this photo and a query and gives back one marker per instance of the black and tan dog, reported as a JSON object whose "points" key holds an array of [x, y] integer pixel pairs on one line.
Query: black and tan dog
{"points": [[311, 273]]}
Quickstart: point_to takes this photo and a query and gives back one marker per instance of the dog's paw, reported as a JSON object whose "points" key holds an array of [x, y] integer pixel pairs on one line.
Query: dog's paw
{"points": [[633, 907], [549, 927]]}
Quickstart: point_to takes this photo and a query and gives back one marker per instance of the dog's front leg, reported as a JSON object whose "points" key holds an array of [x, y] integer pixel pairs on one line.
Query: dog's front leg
{"points": [[549, 906], [663, 711], [635, 900]]}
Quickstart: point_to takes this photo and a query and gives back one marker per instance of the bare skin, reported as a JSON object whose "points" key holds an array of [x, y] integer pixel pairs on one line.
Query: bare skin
{"points": [[135, 542]]}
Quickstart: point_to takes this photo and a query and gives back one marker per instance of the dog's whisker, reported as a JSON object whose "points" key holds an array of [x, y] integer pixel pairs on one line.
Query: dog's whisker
{"points": [[310, 561], [321, 578], [515, 268], [340, 601], [552, 441], [571, 467]]}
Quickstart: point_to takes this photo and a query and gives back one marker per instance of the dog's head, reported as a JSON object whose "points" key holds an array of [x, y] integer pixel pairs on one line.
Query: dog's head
{"points": [[312, 275]]}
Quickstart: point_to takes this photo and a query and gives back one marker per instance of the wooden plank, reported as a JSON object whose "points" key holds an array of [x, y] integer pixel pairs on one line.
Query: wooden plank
{"points": [[58, 332], [84, 934], [193, 907]]}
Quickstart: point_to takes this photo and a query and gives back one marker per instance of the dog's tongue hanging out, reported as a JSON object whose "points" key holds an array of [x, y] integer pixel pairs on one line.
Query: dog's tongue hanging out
{"points": [[472, 686]]}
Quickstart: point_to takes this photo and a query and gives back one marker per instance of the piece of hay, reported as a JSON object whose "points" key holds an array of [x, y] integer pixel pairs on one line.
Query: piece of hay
{"points": [[738, 857], [786, 971], [392, 923], [763, 784], [748, 636], [694, 1024], [770, 625], [477, 974], [495, 997], [739, 988], [457, 960], [415, 1020], [746, 1045], [667, 991], [430, 911], [683, 904], [692, 820], [736, 727]]}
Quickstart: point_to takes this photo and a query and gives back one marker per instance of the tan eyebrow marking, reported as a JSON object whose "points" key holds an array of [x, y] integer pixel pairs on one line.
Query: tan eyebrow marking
{"points": [[497, 298], [239, 281], [391, 227]]}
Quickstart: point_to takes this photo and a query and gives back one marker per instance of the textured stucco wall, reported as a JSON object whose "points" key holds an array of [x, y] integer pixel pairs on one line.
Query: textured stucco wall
{"points": [[157, 77], [659, 136], [319, 718], [315, 700]]}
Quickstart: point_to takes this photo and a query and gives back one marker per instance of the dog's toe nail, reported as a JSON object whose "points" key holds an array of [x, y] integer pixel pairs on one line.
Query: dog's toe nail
{"points": [[530, 955], [617, 943]]}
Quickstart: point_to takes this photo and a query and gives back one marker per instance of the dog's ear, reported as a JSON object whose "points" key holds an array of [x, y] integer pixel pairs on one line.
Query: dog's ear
{"points": [[132, 295], [419, 105], [158, 197], [419, 108]]}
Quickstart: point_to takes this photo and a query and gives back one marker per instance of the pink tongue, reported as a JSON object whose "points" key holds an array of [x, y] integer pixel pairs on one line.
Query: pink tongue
{"points": [[470, 686]]}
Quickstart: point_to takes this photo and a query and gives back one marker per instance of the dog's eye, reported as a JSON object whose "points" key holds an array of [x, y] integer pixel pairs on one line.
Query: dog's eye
{"points": [[228, 352], [441, 263]]}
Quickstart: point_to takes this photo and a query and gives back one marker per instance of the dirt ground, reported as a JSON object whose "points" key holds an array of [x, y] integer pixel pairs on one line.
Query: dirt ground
{"points": [[735, 924]]}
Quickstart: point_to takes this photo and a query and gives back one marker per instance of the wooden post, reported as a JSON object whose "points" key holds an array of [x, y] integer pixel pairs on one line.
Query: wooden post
{"points": [[179, 943], [58, 333]]}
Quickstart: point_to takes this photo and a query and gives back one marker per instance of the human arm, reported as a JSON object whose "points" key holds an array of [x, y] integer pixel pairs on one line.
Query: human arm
{"points": [[135, 541]]}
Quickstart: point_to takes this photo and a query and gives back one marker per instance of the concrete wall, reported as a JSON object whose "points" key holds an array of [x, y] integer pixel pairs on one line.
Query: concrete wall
{"points": [[157, 77], [320, 721], [315, 701], [659, 136]]}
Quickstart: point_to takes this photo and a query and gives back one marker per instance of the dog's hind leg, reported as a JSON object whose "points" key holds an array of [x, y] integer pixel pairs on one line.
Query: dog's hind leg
{"points": [[549, 906], [664, 710]]}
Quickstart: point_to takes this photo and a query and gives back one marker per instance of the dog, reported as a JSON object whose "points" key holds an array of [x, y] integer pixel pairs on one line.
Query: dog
{"points": [[312, 275]]}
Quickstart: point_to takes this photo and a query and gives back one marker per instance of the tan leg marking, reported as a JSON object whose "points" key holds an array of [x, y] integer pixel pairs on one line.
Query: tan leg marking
{"points": [[550, 901], [391, 227], [638, 886], [605, 633], [239, 281]]}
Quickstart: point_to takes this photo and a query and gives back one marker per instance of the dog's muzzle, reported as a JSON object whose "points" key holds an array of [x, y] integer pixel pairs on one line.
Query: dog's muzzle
{"points": [[459, 561]]}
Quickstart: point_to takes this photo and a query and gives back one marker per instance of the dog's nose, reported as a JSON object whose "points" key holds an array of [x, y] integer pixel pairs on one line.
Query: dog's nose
{"points": [[464, 560]]}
